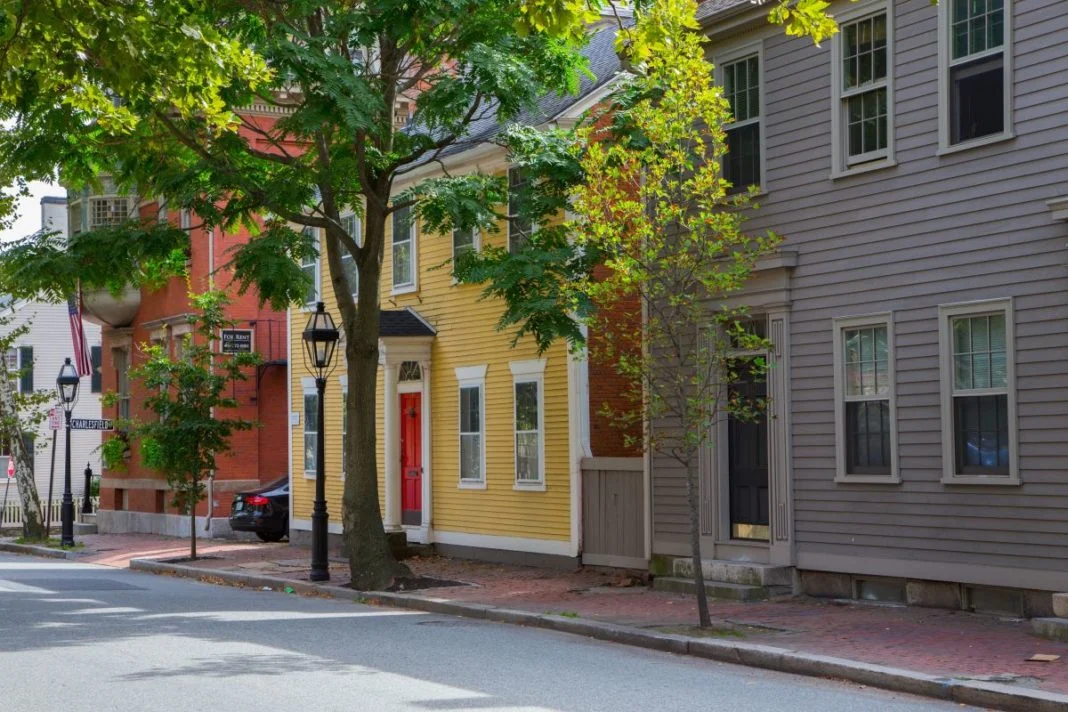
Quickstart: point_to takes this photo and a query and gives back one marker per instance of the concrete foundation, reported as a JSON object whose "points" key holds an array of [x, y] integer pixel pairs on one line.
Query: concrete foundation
{"points": [[826, 585], [110, 521], [502, 556], [933, 594]]}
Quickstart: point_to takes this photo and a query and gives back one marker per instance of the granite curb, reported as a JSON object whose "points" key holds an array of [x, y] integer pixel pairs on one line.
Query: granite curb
{"points": [[33, 550], [963, 691]]}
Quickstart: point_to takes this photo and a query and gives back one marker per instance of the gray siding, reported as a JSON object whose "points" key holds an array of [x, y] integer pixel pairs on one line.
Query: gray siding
{"points": [[932, 230]]}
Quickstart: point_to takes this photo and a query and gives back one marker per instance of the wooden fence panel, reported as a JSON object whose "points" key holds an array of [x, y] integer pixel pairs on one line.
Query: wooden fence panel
{"points": [[613, 512]]}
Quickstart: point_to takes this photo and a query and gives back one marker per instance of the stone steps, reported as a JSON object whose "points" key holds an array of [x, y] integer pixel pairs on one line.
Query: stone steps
{"points": [[747, 573]]}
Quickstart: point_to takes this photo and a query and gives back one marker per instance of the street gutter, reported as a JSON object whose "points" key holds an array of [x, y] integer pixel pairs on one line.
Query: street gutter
{"points": [[970, 692]]}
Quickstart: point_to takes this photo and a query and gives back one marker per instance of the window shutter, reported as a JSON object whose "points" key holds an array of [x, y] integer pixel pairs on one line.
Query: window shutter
{"points": [[26, 365], [95, 381]]}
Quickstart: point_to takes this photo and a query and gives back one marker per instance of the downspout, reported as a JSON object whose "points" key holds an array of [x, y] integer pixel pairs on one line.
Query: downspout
{"points": [[211, 348]]}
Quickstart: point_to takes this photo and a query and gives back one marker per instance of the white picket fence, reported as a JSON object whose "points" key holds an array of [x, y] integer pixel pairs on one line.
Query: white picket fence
{"points": [[11, 513]]}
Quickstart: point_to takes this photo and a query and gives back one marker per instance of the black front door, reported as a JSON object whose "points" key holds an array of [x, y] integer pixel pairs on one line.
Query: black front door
{"points": [[747, 460]]}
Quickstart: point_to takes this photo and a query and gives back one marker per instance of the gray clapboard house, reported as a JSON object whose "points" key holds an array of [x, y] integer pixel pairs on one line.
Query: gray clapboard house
{"points": [[917, 443]]}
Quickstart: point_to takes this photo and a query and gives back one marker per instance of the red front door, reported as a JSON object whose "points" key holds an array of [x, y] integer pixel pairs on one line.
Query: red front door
{"points": [[411, 445]]}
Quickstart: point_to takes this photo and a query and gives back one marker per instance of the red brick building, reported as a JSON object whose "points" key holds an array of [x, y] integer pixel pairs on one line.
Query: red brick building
{"points": [[135, 498]]}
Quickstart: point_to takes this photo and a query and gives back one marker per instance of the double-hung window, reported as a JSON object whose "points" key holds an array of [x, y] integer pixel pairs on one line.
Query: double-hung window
{"points": [[862, 83], [311, 427], [351, 224], [978, 393], [472, 390], [104, 212], [20, 362], [403, 250], [309, 265], [866, 427], [529, 423], [520, 226], [976, 77], [743, 164]]}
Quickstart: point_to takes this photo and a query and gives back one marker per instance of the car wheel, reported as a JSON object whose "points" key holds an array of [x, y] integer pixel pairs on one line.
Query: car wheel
{"points": [[270, 536]]}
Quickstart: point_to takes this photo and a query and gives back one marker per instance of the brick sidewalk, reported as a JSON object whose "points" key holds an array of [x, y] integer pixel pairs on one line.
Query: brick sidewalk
{"points": [[949, 643]]}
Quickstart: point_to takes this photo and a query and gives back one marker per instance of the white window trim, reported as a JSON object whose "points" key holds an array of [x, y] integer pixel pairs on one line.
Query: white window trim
{"points": [[944, 64], [412, 285], [945, 352], [310, 306], [469, 377], [359, 241], [841, 166], [733, 54], [307, 386], [476, 242], [532, 371], [840, 325]]}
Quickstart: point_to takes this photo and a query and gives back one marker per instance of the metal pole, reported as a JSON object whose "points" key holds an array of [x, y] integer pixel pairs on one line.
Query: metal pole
{"points": [[66, 511], [87, 501], [51, 485], [320, 567], [3, 507]]}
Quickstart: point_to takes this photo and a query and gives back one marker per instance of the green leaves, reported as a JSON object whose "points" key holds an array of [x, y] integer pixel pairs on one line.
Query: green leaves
{"points": [[270, 263]]}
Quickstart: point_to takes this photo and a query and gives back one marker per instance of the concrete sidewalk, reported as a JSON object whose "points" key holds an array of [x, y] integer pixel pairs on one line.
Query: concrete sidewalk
{"points": [[950, 645]]}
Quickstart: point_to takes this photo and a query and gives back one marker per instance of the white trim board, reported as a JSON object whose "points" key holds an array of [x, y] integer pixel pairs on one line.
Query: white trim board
{"points": [[305, 525], [553, 547]]}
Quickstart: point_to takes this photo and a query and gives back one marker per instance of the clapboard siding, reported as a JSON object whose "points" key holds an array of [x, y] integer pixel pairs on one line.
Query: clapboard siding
{"points": [[933, 230]]}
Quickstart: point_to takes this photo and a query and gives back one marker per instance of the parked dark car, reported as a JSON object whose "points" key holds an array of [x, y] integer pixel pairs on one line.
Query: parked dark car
{"points": [[263, 511]]}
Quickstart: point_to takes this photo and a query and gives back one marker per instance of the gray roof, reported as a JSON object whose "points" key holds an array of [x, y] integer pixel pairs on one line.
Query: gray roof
{"points": [[708, 8], [403, 322], [603, 64]]}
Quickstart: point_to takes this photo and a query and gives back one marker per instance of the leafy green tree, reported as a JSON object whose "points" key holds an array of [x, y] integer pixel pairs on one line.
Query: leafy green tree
{"points": [[191, 397], [330, 73]]}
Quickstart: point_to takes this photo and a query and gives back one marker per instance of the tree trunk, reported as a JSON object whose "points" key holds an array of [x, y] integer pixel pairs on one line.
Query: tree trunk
{"points": [[32, 519], [371, 562], [693, 500], [193, 532]]}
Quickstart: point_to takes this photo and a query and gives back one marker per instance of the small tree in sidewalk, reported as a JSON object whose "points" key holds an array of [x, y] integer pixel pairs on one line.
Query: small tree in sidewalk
{"points": [[20, 414], [190, 392], [656, 207]]}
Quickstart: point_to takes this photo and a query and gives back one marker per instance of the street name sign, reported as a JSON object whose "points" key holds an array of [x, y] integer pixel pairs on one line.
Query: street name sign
{"points": [[91, 424]]}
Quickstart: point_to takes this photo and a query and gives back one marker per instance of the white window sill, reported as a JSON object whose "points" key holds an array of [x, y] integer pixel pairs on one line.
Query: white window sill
{"points": [[867, 479], [985, 480], [529, 486], [403, 289], [975, 143], [862, 168], [472, 485], [309, 475]]}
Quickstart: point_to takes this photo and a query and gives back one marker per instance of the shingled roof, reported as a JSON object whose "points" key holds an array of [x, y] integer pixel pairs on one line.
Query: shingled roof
{"points": [[403, 322], [708, 8]]}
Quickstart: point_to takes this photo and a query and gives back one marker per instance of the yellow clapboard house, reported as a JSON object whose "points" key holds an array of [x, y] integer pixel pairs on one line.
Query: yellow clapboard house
{"points": [[480, 443]]}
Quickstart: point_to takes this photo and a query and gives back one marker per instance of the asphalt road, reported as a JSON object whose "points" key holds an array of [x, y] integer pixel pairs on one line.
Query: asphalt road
{"points": [[80, 637]]}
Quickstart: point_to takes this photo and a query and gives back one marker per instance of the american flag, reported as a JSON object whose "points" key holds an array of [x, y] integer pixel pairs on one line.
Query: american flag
{"points": [[82, 361]]}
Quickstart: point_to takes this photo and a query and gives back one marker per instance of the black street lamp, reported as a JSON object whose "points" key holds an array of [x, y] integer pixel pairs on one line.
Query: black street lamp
{"points": [[67, 385], [320, 340]]}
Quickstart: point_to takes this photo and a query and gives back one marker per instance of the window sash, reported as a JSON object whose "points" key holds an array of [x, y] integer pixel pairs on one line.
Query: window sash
{"points": [[528, 425], [310, 266], [973, 431], [862, 442], [865, 412], [463, 241], [520, 228], [992, 16], [351, 223], [403, 249]]}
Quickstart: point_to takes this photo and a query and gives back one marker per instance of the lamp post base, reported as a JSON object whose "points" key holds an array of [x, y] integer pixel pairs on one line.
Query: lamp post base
{"points": [[320, 564], [66, 514]]}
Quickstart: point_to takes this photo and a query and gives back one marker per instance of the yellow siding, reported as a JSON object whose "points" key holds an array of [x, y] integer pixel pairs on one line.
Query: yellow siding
{"points": [[465, 337]]}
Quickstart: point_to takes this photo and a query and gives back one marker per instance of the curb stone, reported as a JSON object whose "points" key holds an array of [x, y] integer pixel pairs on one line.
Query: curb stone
{"points": [[970, 692], [33, 550]]}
